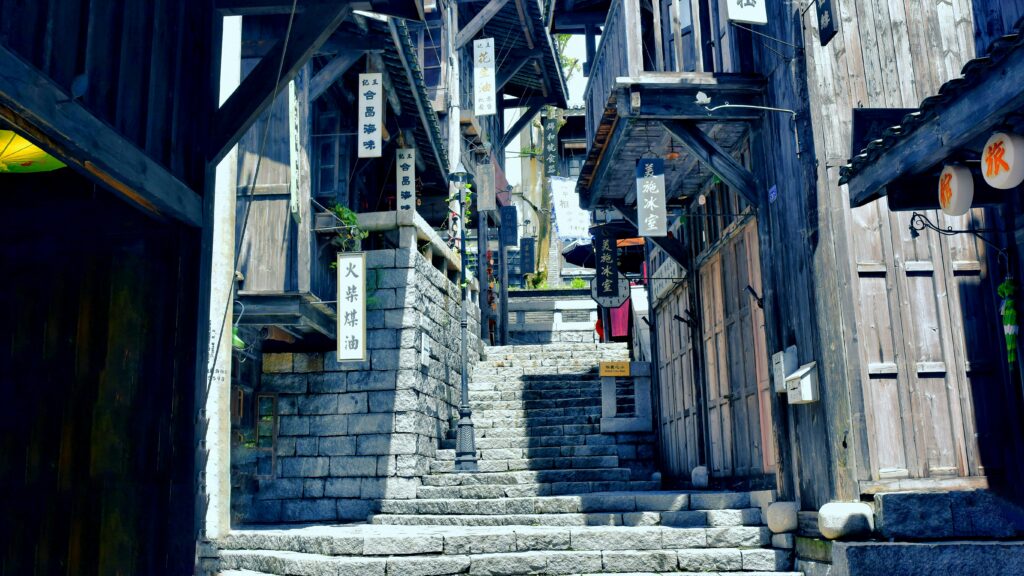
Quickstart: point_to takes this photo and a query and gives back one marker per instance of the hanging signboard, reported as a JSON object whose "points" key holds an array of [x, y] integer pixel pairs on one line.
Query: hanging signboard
{"points": [[611, 301], [827, 28], [405, 179], [527, 256], [1000, 166], [748, 11], [606, 259], [551, 146], [509, 226], [294, 152], [351, 306], [650, 197], [485, 191], [485, 101], [571, 221], [956, 190], [371, 112]]}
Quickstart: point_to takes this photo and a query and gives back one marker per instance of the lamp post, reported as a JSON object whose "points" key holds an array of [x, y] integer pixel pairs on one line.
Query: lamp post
{"points": [[465, 439]]}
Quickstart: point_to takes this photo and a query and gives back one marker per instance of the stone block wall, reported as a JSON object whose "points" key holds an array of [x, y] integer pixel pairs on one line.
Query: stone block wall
{"points": [[351, 434]]}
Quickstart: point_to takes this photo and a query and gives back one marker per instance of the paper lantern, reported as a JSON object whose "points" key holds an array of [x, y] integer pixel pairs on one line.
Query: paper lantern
{"points": [[956, 190], [1002, 160]]}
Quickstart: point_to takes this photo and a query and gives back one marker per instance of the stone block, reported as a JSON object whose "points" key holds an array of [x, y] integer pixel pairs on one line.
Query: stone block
{"points": [[277, 363], [685, 519], [428, 565], [741, 517], [337, 445], [327, 382], [352, 403], [396, 278], [699, 477], [927, 558], [293, 426], [318, 404], [641, 518], [480, 543], [401, 488], [308, 362], [571, 562], [657, 561], [814, 568], [262, 511], [845, 519], [371, 488], [342, 487], [719, 500], [304, 467], [285, 446], [668, 501], [505, 564], [783, 541], [541, 539], [329, 425], [738, 537], [678, 538], [279, 488], [782, 516], [710, 560], [313, 488], [370, 423], [386, 359], [382, 339], [375, 380], [349, 509], [766, 560], [983, 514], [401, 318], [306, 446], [380, 259], [287, 405], [399, 545], [616, 539], [346, 466], [331, 364], [283, 383], [308, 510]]}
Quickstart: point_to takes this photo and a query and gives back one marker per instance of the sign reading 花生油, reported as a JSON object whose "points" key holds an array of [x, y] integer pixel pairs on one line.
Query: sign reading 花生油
{"points": [[509, 226], [606, 263], [748, 11], [527, 254], [405, 178], [485, 102], [485, 192], [551, 146], [650, 197], [613, 369], [351, 306], [371, 112]]}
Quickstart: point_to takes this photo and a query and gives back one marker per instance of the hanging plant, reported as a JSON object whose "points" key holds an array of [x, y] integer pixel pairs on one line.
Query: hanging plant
{"points": [[348, 234]]}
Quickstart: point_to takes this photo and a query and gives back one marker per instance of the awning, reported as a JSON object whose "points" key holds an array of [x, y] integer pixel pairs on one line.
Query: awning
{"points": [[955, 123]]}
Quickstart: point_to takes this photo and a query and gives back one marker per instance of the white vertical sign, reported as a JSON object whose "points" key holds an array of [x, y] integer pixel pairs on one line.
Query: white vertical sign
{"points": [[371, 114], [748, 11], [485, 101], [351, 306], [405, 179]]}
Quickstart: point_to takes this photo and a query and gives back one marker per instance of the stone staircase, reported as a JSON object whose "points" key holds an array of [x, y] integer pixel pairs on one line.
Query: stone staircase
{"points": [[552, 496]]}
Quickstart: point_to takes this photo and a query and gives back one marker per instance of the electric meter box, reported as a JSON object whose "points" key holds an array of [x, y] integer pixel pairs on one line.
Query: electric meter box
{"points": [[783, 364], [802, 385]]}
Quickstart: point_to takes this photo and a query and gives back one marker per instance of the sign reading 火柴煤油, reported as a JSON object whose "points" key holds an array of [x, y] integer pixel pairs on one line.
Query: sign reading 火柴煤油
{"points": [[551, 146], [351, 306], [606, 263], [371, 112], [405, 178], [509, 226], [485, 102], [650, 197], [748, 11]]}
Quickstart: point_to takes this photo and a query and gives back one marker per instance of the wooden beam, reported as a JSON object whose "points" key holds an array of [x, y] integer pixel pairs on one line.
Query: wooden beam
{"points": [[521, 123], [478, 22], [509, 70], [972, 113], [407, 9], [605, 160], [658, 102], [715, 158], [332, 72], [309, 30], [41, 110], [524, 102], [424, 111], [673, 247]]}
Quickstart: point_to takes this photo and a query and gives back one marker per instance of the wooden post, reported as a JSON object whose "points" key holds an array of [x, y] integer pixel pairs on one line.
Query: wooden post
{"points": [[503, 296], [482, 276]]}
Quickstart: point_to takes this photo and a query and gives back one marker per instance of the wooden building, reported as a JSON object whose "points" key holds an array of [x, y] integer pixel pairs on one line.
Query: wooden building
{"points": [[765, 253]]}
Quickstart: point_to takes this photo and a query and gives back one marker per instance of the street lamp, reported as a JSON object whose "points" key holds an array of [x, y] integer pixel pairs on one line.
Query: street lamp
{"points": [[465, 439]]}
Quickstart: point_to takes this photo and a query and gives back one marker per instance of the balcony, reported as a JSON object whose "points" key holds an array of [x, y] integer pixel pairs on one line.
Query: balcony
{"points": [[642, 99]]}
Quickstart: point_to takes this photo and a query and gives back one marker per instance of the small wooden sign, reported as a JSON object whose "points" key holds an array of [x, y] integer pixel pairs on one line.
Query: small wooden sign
{"points": [[614, 369]]}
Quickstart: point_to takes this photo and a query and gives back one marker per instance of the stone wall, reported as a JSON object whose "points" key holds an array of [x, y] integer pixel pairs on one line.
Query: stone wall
{"points": [[350, 434], [551, 316]]}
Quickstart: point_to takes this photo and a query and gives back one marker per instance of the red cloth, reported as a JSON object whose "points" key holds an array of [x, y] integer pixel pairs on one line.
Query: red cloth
{"points": [[620, 319], [599, 328]]}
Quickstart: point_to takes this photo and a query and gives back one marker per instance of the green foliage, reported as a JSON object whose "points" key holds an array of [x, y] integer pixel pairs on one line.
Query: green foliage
{"points": [[569, 65], [578, 283], [349, 233]]}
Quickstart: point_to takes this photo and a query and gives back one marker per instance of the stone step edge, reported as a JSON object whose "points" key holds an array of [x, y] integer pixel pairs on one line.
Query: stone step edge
{"points": [[570, 504], [749, 561], [685, 519]]}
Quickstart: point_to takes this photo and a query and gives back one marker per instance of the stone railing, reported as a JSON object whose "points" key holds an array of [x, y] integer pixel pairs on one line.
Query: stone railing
{"points": [[539, 318], [626, 400]]}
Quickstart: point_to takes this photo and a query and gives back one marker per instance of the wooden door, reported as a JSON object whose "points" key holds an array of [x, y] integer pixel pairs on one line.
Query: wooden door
{"points": [[759, 340], [680, 418], [719, 408]]}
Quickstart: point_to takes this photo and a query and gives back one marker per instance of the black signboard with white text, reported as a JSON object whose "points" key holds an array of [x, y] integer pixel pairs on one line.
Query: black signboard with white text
{"points": [[606, 258], [509, 226], [526, 255]]}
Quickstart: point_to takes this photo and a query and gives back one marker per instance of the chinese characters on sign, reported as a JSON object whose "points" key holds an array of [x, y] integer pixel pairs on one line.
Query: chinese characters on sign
{"points": [[351, 306], [485, 191], [551, 146], [405, 176], [1000, 166], [527, 255], [606, 263], [485, 101], [826, 21], [371, 115], [748, 11], [650, 197], [509, 226], [571, 221]]}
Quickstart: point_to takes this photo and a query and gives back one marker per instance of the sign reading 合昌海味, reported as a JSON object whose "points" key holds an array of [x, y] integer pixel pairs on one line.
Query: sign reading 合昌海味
{"points": [[351, 306], [371, 113], [405, 179]]}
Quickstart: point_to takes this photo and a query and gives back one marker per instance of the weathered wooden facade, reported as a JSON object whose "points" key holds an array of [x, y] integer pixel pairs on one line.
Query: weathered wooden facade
{"points": [[765, 253]]}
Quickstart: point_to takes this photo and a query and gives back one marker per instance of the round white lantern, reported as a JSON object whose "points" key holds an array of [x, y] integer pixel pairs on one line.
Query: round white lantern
{"points": [[956, 190], [1002, 160]]}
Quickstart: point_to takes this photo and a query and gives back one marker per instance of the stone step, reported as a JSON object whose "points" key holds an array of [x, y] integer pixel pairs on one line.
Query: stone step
{"points": [[535, 431], [486, 464], [242, 573], [544, 452], [541, 489], [483, 370], [514, 409], [528, 477], [515, 401], [555, 347], [489, 419], [622, 501], [753, 562], [490, 442], [682, 519]]}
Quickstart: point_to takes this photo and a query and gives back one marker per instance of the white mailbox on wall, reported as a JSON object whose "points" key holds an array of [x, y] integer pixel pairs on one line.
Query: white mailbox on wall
{"points": [[783, 364], [802, 385]]}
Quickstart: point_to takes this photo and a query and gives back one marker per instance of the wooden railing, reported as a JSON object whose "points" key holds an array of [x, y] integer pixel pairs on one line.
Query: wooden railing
{"points": [[619, 54]]}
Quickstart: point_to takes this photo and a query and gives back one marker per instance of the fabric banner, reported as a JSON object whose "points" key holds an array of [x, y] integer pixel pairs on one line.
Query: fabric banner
{"points": [[650, 197], [405, 179], [371, 113], [571, 221]]}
